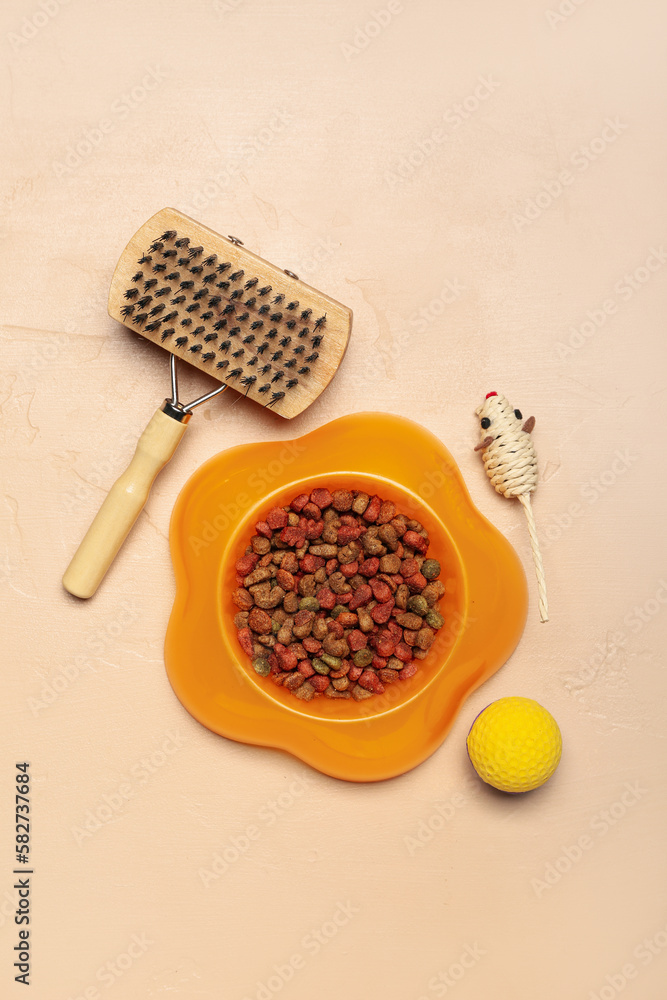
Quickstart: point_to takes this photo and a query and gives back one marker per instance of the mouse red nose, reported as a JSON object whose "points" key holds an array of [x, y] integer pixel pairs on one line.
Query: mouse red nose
{"points": [[491, 394]]}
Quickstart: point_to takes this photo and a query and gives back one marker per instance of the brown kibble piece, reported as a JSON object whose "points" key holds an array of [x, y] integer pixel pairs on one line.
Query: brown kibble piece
{"points": [[359, 693], [387, 535], [341, 500], [425, 638], [320, 629], [388, 676], [366, 623], [294, 681], [335, 647], [410, 621], [326, 551], [242, 599], [265, 598], [360, 503], [338, 583], [390, 564], [305, 691], [260, 545], [258, 576], [291, 603], [259, 621]]}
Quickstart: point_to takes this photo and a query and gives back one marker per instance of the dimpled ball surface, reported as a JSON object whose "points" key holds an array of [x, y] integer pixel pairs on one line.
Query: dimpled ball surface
{"points": [[514, 745]]}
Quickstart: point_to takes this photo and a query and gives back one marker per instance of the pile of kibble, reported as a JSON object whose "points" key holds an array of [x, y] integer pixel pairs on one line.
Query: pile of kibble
{"points": [[337, 595]]}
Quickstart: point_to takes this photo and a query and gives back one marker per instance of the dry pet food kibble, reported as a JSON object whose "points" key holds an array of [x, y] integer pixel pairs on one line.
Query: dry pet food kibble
{"points": [[336, 595]]}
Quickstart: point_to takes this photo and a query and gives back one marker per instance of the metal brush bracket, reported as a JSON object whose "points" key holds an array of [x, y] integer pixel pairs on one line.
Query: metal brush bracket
{"points": [[183, 411]]}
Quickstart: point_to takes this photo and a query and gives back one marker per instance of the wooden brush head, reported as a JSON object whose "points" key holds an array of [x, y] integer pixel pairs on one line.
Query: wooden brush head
{"points": [[223, 309]]}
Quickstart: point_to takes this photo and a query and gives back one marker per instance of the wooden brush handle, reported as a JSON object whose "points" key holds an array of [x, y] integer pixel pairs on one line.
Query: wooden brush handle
{"points": [[124, 502]]}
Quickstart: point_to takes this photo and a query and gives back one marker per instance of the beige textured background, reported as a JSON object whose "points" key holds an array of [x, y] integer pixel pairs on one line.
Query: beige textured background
{"points": [[484, 185]]}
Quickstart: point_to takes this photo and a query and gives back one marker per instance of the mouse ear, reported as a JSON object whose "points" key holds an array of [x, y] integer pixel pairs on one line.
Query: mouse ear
{"points": [[528, 425]]}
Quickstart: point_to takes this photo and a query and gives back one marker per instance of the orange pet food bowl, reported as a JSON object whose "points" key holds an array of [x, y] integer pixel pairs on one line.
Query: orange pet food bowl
{"points": [[484, 605]]}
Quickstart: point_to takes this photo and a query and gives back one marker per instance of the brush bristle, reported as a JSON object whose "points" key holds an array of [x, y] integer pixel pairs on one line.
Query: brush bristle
{"points": [[211, 301]]}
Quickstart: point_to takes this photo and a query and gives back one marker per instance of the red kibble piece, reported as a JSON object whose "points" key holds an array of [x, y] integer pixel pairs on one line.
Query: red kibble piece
{"points": [[415, 541], [263, 529], [349, 520], [371, 682], [369, 567], [416, 582], [314, 529], [246, 564], [409, 567], [286, 657], [321, 497], [387, 512], [347, 619], [378, 663], [310, 564], [344, 598], [306, 668], [311, 511], [240, 579], [335, 628], [245, 640], [347, 534], [354, 673], [293, 535], [349, 569], [381, 592], [381, 612], [326, 597], [403, 652], [409, 670], [385, 645], [356, 640], [311, 645], [331, 565], [361, 596], [277, 518], [395, 630], [298, 503], [285, 580], [320, 683], [373, 509]]}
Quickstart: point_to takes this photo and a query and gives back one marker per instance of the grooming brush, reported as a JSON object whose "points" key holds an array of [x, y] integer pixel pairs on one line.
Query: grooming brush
{"points": [[511, 465], [255, 328]]}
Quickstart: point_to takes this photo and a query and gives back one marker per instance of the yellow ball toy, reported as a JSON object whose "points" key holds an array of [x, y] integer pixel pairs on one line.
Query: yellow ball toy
{"points": [[514, 745]]}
